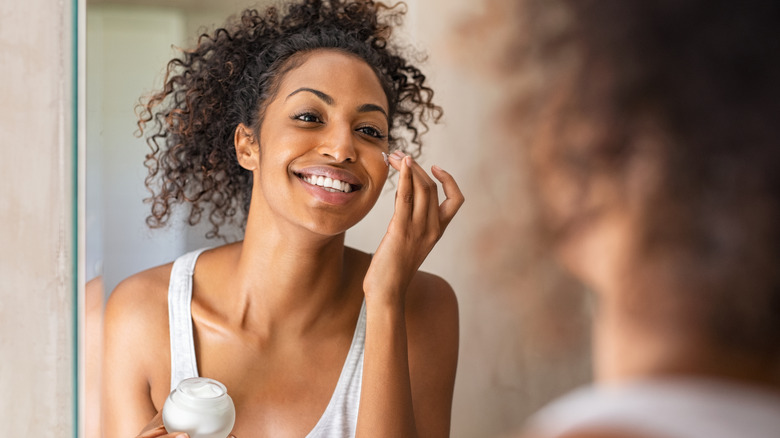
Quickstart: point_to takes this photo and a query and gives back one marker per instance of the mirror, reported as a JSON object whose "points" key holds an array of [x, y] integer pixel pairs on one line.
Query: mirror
{"points": [[515, 352]]}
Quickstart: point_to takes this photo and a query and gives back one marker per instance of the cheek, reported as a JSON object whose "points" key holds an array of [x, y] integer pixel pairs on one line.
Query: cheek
{"points": [[377, 169]]}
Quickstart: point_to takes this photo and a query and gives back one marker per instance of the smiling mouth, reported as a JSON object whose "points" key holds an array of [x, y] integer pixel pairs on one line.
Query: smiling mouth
{"points": [[329, 184]]}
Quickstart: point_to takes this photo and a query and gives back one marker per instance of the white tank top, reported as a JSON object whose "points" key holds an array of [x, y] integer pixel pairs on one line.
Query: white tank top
{"points": [[340, 417], [669, 408]]}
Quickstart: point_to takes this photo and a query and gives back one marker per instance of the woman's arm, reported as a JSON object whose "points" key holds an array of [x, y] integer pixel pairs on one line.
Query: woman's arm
{"points": [[432, 328], [132, 341], [390, 406]]}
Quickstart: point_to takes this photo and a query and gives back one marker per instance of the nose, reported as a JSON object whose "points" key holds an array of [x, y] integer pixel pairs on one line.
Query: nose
{"points": [[338, 143]]}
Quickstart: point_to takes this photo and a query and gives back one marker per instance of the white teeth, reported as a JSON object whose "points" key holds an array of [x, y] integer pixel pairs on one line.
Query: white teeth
{"points": [[334, 185]]}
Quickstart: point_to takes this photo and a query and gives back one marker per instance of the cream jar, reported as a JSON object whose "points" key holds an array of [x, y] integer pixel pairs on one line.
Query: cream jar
{"points": [[201, 407]]}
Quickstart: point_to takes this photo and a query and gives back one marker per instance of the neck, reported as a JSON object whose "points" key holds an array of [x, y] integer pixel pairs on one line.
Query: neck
{"points": [[288, 275], [630, 343]]}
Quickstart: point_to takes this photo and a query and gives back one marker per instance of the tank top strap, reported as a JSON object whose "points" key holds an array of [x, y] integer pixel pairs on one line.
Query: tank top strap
{"points": [[340, 417], [183, 362]]}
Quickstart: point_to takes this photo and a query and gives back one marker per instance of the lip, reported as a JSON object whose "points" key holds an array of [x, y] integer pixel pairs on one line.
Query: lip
{"points": [[334, 198], [332, 173]]}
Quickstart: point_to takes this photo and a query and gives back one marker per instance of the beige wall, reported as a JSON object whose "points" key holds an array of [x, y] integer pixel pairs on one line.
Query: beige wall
{"points": [[36, 208]]}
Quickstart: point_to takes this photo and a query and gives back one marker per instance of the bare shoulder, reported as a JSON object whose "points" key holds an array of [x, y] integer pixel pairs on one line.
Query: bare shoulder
{"points": [[432, 323], [432, 331], [432, 320], [140, 293], [136, 315], [431, 305], [431, 298]]}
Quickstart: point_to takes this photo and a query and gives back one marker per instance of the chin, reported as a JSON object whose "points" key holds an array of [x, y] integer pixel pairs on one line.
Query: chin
{"points": [[329, 228]]}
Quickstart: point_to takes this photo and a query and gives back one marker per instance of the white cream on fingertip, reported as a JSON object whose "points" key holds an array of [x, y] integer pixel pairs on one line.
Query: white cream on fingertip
{"points": [[386, 158]]}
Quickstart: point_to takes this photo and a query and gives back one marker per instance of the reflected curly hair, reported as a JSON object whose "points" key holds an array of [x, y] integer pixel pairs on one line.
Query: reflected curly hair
{"points": [[704, 76], [231, 76]]}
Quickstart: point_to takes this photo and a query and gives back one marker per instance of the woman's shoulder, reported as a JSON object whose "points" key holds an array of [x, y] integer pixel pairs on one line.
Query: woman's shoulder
{"points": [[136, 323], [149, 288], [432, 312], [138, 306], [430, 295], [142, 289]]}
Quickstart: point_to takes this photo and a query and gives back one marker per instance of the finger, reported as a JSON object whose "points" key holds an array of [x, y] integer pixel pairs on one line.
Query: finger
{"points": [[155, 424], [160, 432], [404, 195], [425, 193], [395, 160], [427, 205], [454, 197]]}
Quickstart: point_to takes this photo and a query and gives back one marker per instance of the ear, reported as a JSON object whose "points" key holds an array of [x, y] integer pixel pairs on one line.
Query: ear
{"points": [[247, 147]]}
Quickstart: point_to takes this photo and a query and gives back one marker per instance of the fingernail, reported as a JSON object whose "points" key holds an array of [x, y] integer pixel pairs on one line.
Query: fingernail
{"points": [[408, 160], [399, 154], [437, 167]]}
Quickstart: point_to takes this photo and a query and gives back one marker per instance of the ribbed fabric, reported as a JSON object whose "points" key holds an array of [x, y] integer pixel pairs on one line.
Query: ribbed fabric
{"points": [[669, 408], [183, 362], [340, 417]]}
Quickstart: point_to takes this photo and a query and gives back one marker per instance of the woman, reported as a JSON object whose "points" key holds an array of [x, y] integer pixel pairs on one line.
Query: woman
{"points": [[652, 128], [290, 117]]}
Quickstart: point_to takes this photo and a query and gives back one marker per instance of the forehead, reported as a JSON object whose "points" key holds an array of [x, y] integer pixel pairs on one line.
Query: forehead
{"points": [[341, 75]]}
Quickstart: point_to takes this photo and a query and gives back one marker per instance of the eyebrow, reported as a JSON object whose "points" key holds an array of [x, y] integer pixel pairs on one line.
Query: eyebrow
{"points": [[368, 107], [324, 97], [365, 108]]}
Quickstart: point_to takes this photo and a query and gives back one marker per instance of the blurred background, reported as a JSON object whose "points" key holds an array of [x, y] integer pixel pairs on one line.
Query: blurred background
{"points": [[524, 324]]}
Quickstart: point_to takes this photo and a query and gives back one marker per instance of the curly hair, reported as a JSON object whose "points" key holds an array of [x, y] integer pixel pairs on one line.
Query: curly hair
{"points": [[704, 77], [230, 77]]}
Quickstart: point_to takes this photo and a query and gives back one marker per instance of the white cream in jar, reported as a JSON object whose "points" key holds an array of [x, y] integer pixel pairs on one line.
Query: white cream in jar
{"points": [[201, 407]]}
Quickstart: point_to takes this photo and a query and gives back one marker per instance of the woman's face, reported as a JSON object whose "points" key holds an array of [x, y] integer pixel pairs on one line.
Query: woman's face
{"points": [[319, 160]]}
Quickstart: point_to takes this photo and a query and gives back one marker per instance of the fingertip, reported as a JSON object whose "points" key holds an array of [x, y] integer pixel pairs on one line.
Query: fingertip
{"points": [[440, 173]]}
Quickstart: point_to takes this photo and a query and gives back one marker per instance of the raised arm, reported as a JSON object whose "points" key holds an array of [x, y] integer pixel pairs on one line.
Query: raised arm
{"points": [[412, 318]]}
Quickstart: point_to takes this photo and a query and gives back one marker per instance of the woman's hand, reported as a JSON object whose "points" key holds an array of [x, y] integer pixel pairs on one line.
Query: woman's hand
{"points": [[156, 429], [386, 405], [417, 224]]}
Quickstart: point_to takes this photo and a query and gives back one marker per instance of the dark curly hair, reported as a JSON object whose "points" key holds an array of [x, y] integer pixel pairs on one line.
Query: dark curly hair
{"points": [[704, 77], [231, 76]]}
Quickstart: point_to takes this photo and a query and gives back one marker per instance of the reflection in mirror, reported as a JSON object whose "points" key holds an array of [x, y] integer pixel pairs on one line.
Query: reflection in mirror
{"points": [[512, 358]]}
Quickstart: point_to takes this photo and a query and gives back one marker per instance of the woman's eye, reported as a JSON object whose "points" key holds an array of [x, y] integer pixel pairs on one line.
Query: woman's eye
{"points": [[307, 117], [371, 131]]}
